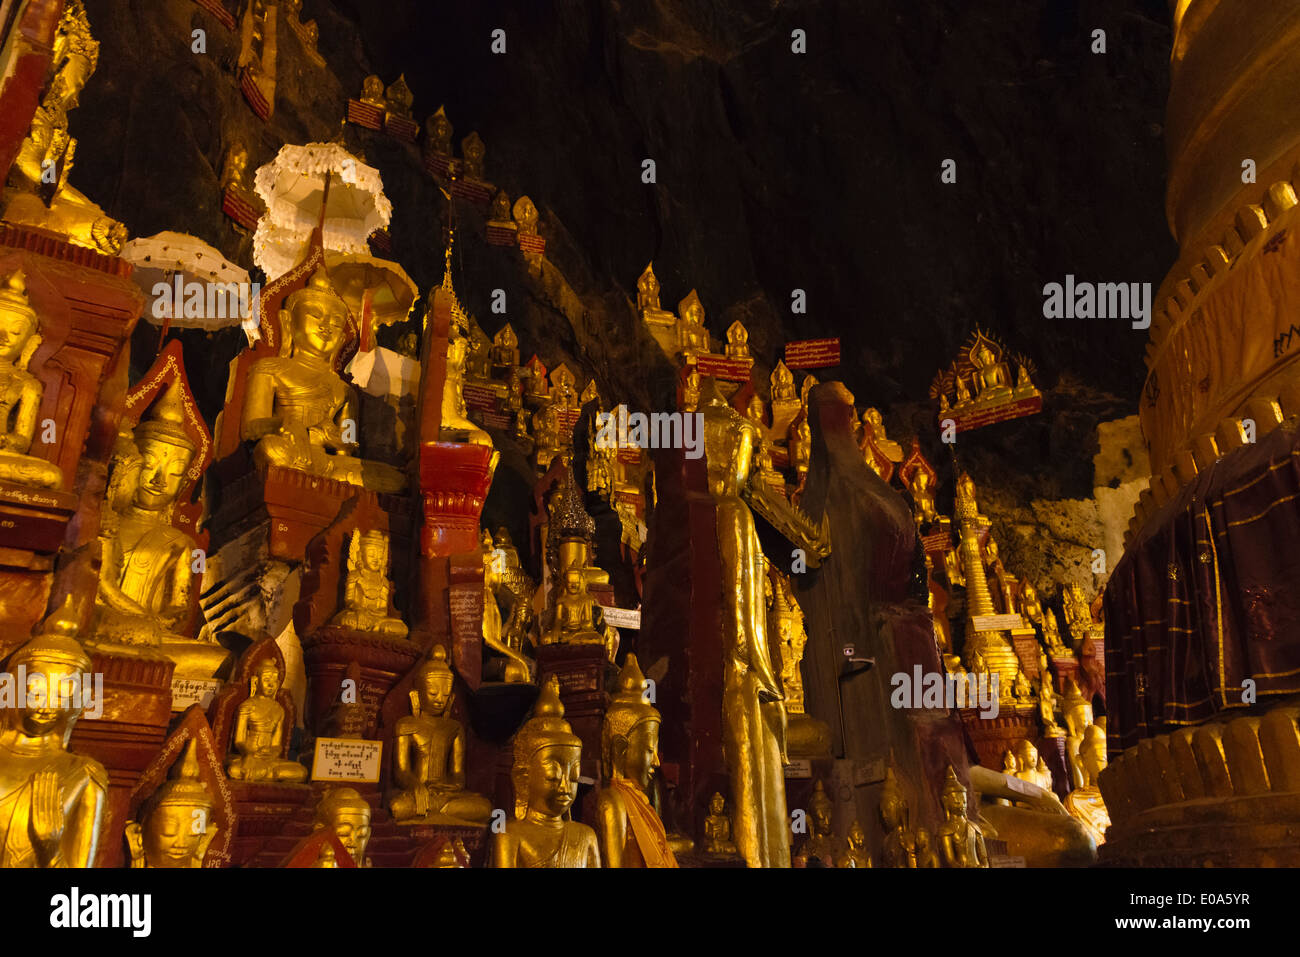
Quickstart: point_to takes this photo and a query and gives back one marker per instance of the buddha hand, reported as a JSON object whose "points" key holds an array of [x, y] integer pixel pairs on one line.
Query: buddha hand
{"points": [[421, 795], [46, 818]]}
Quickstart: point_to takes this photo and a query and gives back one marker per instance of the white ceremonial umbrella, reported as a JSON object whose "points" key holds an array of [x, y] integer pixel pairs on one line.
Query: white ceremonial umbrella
{"points": [[319, 184], [189, 284]]}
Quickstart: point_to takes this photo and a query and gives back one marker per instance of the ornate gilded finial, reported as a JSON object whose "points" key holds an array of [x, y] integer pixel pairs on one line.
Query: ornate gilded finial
{"points": [[183, 784], [55, 641], [570, 519], [166, 420], [819, 799]]}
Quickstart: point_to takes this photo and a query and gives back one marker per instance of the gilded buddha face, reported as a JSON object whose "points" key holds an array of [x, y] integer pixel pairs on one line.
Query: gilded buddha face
{"points": [[162, 473], [553, 779], [435, 692], [173, 834], [352, 826], [857, 837], [50, 700], [821, 816], [268, 679], [318, 327], [954, 800], [891, 810], [373, 554], [716, 804], [642, 758], [15, 330]]}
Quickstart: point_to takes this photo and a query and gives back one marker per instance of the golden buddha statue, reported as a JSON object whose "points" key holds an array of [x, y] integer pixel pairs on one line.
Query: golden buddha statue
{"points": [[963, 392], [855, 848], [753, 704], [717, 829], [526, 216], [900, 843], [992, 379], [545, 779], [505, 347], [1030, 607], [576, 619], [366, 605], [473, 150], [1030, 765], [372, 92], [630, 831], [438, 130], [175, 825], [960, 840], [234, 170], [296, 406], [691, 390], [1047, 704], [40, 194], [1078, 717], [347, 814], [498, 214], [782, 383], [260, 732], [146, 577], [692, 337], [737, 341], [821, 845], [806, 736], [647, 290], [504, 579], [874, 422], [1025, 387], [1052, 634], [52, 802], [1022, 690], [456, 426], [923, 492], [399, 98], [1085, 802], [20, 391], [429, 755]]}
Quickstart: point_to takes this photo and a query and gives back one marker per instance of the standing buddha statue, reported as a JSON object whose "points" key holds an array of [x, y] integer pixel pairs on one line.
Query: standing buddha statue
{"points": [[630, 831], [175, 825], [20, 391], [545, 779], [366, 605], [429, 755], [960, 840], [296, 406], [753, 704], [52, 801]]}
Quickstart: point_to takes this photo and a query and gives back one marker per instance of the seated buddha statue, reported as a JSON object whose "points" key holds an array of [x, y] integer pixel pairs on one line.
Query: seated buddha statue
{"points": [[146, 574], [545, 778], [821, 846], [577, 619], [437, 131], [717, 829], [296, 407], [737, 341], [692, 337], [961, 842], [855, 848], [1030, 607], [647, 298], [782, 383], [429, 755], [399, 98], [175, 825], [52, 802], [366, 605], [345, 812], [992, 379], [1085, 802], [259, 731], [1052, 634], [372, 92], [40, 194], [20, 391], [630, 831]]}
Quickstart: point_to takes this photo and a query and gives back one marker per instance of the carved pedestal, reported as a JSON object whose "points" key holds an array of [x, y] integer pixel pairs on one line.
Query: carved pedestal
{"points": [[264, 813], [328, 652], [581, 670], [137, 703]]}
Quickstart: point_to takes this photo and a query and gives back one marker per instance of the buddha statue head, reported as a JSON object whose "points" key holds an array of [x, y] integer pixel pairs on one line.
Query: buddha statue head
{"points": [[370, 552], [18, 339], [266, 679], [629, 737], [953, 797], [547, 755], [820, 810], [347, 814], [55, 666], [431, 689], [754, 410], [1027, 755], [857, 838], [175, 825], [893, 806], [1092, 753], [717, 804], [317, 320], [166, 451]]}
